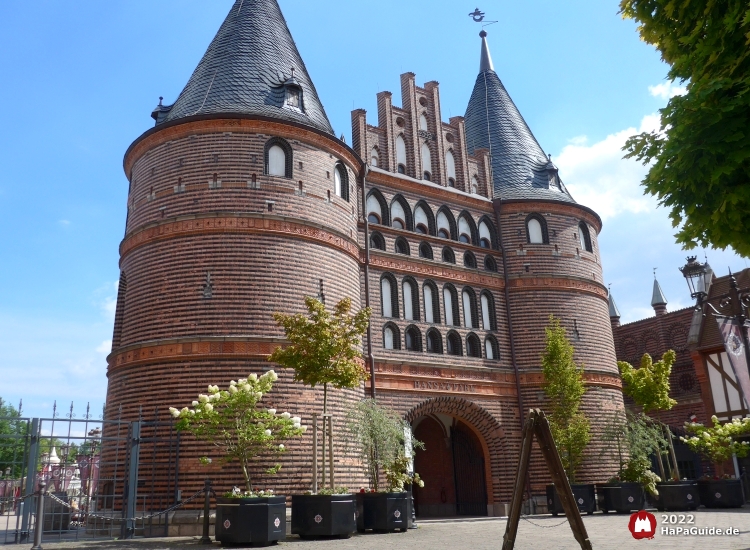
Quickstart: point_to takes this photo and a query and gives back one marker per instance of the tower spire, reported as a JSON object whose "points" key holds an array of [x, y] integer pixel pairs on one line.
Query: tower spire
{"points": [[485, 61], [658, 301]]}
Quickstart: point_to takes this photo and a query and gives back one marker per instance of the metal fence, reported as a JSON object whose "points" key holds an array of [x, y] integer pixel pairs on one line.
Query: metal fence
{"points": [[104, 478]]}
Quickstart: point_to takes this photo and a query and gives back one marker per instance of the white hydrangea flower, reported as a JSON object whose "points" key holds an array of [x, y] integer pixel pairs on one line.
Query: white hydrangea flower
{"points": [[271, 411], [232, 389], [258, 395], [203, 398], [281, 447], [184, 410], [267, 432], [286, 415], [195, 403], [233, 383], [272, 374], [242, 381], [296, 419], [252, 377], [174, 412], [209, 407], [303, 428], [192, 412]]}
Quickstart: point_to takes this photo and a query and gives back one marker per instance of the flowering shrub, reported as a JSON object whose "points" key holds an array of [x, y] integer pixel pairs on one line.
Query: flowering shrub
{"points": [[718, 443], [397, 475], [236, 492], [233, 423]]}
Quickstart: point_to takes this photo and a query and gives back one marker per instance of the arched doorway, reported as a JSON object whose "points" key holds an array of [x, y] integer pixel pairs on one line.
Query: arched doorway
{"points": [[452, 466]]}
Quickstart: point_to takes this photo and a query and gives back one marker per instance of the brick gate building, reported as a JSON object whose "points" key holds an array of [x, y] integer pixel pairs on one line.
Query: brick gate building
{"points": [[460, 235]]}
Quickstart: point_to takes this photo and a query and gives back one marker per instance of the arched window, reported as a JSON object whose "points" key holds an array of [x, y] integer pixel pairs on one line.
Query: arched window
{"points": [[424, 222], [470, 260], [450, 167], [341, 181], [278, 158], [450, 305], [469, 300], [434, 341], [448, 255], [411, 299], [425, 251], [412, 339], [490, 264], [426, 162], [536, 229], [389, 295], [453, 341], [423, 122], [421, 228], [464, 230], [377, 208], [374, 157], [486, 234], [473, 346], [584, 237], [377, 241], [451, 182], [431, 302], [400, 213], [401, 154], [391, 337], [446, 224], [491, 349], [402, 247], [474, 185], [489, 318]]}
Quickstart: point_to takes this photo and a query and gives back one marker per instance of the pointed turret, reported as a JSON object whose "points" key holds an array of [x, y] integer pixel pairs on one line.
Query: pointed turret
{"points": [[252, 67], [658, 301], [614, 313], [520, 168]]}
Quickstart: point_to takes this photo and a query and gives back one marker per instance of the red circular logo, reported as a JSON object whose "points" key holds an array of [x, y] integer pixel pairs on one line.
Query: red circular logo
{"points": [[642, 525]]}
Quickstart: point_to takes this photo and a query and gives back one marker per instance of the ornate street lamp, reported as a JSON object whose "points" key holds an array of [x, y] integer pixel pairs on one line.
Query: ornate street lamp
{"points": [[698, 277]]}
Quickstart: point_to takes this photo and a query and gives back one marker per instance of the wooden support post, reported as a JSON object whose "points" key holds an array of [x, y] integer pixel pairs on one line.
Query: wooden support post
{"points": [[537, 425], [330, 448]]}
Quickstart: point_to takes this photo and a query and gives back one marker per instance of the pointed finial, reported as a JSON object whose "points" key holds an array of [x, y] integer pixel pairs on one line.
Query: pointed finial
{"points": [[485, 60], [292, 72], [160, 100], [655, 272]]}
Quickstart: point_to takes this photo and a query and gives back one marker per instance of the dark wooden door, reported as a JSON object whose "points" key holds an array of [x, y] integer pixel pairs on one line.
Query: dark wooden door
{"points": [[468, 467]]}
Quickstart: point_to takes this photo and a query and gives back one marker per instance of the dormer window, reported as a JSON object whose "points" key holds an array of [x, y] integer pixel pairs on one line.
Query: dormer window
{"points": [[293, 97]]}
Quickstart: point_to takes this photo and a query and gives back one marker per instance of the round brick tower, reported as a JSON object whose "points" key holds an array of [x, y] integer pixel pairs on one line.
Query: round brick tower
{"points": [[241, 203], [551, 263]]}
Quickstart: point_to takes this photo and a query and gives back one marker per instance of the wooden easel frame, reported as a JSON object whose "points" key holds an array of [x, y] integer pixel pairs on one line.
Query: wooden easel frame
{"points": [[538, 425]]}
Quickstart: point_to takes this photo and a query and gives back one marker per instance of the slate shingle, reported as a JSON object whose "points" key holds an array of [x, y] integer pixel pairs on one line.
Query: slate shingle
{"points": [[245, 68]]}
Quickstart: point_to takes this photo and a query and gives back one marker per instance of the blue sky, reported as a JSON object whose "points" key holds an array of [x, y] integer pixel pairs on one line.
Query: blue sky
{"points": [[81, 78]]}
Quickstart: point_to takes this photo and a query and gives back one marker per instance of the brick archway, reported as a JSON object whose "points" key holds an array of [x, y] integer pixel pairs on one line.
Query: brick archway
{"points": [[499, 463]]}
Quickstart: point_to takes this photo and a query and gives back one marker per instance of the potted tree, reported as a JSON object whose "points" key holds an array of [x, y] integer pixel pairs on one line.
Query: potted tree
{"points": [[384, 441], [563, 385], [324, 348], [633, 437], [648, 386], [718, 444], [232, 421]]}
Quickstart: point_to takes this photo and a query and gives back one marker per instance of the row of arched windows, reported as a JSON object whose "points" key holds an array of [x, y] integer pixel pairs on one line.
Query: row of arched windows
{"points": [[278, 159], [422, 220], [536, 232], [401, 246], [473, 312], [433, 342]]}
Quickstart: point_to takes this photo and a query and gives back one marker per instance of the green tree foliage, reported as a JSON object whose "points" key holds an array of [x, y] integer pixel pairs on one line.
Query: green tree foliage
{"points": [[379, 435], [12, 432], [648, 385], [563, 385], [718, 442], [701, 156], [232, 421], [324, 348]]}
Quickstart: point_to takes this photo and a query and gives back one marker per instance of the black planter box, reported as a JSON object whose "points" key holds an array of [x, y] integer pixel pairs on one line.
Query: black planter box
{"points": [[382, 511], [583, 493], [621, 497], [256, 521], [677, 496], [324, 515], [721, 493]]}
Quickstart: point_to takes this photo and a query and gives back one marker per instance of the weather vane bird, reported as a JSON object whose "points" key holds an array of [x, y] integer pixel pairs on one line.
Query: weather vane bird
{"points": [[478, 17]]}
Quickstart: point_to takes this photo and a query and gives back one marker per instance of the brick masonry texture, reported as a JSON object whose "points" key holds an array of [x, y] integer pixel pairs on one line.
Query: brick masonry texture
{"points": [[205, 262]]}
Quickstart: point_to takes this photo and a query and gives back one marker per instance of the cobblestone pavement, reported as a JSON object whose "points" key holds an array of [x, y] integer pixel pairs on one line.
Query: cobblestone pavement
{"points": [[547, 533]]}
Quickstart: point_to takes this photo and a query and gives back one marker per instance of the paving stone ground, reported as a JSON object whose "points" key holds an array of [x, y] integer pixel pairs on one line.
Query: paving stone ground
{"points": [[546, 533]]}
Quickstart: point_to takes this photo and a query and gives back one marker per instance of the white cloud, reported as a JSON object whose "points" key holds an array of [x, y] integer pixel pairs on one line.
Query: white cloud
{"points": [[598, 176], [64, 223], [666, 90], [105, 347]]}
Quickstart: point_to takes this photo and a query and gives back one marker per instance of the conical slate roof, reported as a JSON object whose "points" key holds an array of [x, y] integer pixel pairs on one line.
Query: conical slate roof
{"points": [[614, 313], [657, 298], [520, 168], [248, 68]]}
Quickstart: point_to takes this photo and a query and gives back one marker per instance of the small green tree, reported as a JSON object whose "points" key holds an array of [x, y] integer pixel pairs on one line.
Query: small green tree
{"points": [[379, 435], [648, 385], [718, 443], [232, 421], [324, 348], [563, 385]]}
